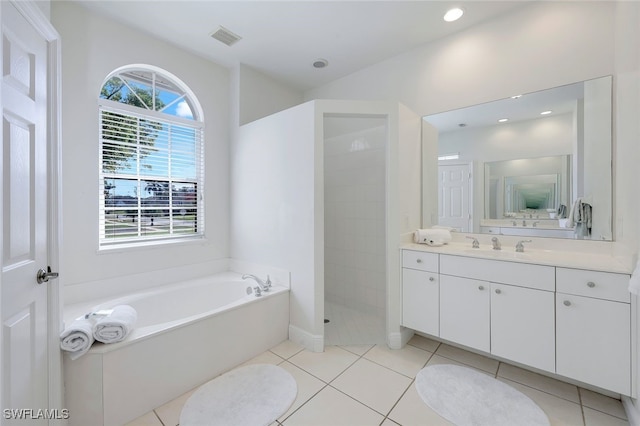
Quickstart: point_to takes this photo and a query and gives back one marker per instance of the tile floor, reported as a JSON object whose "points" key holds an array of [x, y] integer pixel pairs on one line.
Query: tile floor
{"points": [[348, 325], [373, 385]]}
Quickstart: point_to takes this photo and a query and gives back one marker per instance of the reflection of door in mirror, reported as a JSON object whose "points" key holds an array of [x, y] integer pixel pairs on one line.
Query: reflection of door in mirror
{"points": [[454, 206]]}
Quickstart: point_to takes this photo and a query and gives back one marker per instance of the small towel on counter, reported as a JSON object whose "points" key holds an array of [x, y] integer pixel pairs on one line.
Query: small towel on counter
{"points": [[432, 236], [115, 327], [634, 282], [77, 338]]}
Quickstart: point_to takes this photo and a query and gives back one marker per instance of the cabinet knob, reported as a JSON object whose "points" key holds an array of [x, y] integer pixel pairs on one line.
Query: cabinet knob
{"points": [[419, 260], [431, 279], [480, 287], [591, 284], [566, 303], [498, 291]]}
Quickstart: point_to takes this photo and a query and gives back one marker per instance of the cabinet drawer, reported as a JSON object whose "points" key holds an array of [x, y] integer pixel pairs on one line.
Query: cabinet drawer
{"points": [[601, 285], [520, 274], [420, 260]]}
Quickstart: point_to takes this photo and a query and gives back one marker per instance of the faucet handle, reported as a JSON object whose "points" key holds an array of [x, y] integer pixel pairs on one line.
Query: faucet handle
{"points": [[475, 243], [520, 245]]}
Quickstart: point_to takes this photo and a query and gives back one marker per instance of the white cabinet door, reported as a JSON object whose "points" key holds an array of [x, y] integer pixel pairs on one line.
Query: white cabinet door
{"points": [[522, 325], [420, 301], [593, 341], [464, 311]]}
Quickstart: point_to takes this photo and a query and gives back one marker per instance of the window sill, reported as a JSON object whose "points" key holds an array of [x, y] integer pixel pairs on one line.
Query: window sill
{"points": [[151, 245]]}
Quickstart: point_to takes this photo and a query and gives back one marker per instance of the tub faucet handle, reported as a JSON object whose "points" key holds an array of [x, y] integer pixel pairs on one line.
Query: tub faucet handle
{"points": [[496, 243], [474, 243], [520, 245]]}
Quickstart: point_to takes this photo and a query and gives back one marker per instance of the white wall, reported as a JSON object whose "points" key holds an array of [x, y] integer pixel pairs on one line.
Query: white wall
{"points": [[260, 95], [273, 203], [354, 214], [92, 48]]}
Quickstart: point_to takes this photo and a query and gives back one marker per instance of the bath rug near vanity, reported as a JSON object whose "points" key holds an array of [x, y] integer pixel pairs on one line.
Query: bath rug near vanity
{"points": [[467, 397], [252, 395]]}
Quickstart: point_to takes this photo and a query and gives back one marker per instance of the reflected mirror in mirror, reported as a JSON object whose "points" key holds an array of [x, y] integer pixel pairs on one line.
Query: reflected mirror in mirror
{"points": [[511, 170]]}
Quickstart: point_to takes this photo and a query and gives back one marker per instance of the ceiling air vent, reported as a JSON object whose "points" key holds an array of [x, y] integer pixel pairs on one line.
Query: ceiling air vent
{"points": [[225, 36]]}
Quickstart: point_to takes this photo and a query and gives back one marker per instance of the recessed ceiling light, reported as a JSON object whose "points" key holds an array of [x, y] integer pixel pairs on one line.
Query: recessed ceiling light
{"points": [[502, 120], [462, 125], [546, 112], [320, 63], [453, 14]]}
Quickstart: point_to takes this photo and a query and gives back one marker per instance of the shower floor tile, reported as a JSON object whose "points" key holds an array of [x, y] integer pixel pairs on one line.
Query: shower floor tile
{"points": [[348, 326]]}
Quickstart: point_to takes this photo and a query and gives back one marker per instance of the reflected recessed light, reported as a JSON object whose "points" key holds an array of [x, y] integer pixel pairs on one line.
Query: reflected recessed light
{"points": [[453, 14], [320, 63], [516, 97], [545, 112], [502, 120]]}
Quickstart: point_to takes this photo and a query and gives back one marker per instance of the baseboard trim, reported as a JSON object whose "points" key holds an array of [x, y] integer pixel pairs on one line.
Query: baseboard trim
{"points": [[397, 340], [312, 342]]}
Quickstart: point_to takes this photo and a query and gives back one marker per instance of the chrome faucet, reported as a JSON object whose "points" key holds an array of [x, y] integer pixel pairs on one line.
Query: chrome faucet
{"points": [[262, 285], [535, 224], [496, 243], [474, 243], [520, 245]]}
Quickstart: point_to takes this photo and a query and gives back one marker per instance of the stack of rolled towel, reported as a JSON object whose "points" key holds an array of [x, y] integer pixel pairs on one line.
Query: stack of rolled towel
{"points": [[110, 326], [432, 236]]}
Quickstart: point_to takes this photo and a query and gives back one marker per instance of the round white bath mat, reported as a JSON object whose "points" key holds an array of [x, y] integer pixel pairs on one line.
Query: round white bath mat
{"points": [[252, 395], [467, 397]]}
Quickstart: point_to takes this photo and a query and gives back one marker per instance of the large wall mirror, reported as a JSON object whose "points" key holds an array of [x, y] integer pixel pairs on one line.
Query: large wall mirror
{"points": [[536, 164]]}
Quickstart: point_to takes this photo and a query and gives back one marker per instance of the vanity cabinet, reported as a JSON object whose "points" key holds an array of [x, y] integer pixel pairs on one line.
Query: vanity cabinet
{"points": [[420, 292], [593, 327], [505, 308]]}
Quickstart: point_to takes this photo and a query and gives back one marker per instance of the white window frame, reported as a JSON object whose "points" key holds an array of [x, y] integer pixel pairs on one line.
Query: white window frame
{"points": [[105, 105]]}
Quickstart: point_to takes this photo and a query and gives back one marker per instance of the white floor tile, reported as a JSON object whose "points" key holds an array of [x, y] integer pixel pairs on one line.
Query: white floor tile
{"points": [[560, 411], [287, 349], [424, 343], [412, 411], [408, 360], [469, 358], [388, 422], [267, 357], [149, 419], [331, 407], [169, 413], [597, 418], [373, 385], [540, 382], [308, 386], [357, 349], [325, 365], [437, 359], [602, 403]]}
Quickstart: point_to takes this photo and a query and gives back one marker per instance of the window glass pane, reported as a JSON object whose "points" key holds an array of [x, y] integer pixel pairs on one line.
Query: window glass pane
{"points": [[155, 223], [185, 221], [121, 193], [185, 195], [121, 224], [154, 194]]}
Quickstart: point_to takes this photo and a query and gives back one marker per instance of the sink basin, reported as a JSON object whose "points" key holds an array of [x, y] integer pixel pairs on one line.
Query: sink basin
{"points": [[498, 254]]}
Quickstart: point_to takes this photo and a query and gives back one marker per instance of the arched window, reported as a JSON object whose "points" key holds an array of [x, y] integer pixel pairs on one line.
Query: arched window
{"points": [[151, 158]]}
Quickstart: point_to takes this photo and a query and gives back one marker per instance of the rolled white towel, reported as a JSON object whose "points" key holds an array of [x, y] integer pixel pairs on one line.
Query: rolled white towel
{"points": [[432, 237], [115, 327], [77, 338]]}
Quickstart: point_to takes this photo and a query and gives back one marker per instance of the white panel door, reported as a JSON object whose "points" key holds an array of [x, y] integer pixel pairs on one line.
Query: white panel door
{"points": [[593, 341], [453, 196], [523, 325], [24, 215], [464, 311], [420, 301]]}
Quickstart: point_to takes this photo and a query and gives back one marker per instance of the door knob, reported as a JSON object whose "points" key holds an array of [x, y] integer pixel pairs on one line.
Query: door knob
{"points": [[43, 276]]}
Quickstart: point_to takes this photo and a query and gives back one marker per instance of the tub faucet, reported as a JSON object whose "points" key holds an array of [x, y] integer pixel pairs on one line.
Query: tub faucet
{"points": [[262, 285], [520, 245], [496, 243]]}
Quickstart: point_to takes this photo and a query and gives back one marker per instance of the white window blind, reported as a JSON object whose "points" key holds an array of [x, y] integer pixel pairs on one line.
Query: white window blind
{"points": [[151, 175]]}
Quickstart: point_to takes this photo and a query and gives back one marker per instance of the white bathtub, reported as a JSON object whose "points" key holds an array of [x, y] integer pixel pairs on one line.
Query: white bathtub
{"points": [[186, 334]]}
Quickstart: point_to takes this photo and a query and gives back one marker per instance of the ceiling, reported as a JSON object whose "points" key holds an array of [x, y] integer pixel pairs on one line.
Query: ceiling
{"points": [[283, 38]]}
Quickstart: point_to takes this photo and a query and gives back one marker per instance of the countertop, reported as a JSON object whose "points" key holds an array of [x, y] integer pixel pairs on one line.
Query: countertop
{"points": [[559, 258]]}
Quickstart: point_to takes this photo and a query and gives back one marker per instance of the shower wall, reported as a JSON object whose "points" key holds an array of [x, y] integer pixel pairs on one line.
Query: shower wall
{"points": [[354, 191]]}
